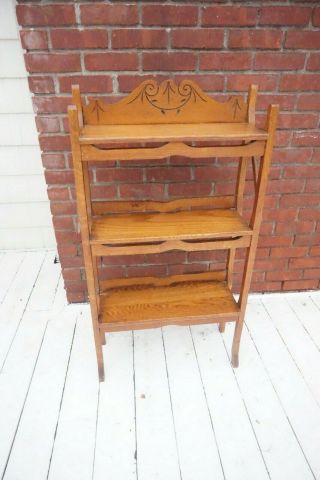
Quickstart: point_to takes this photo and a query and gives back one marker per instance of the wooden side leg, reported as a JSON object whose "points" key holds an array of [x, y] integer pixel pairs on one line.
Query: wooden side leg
{"points": [[236, 342], [230, 263], [103, 337], [97, 341]]}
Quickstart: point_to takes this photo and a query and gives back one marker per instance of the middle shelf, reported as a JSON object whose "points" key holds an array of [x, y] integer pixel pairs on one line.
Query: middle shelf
{"points": [[158, 227]]}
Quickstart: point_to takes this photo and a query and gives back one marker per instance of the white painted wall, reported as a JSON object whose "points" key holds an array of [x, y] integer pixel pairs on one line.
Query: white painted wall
{"points": [[25, 217]]}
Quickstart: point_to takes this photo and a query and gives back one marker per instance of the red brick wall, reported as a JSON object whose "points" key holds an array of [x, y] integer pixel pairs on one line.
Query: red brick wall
{"points": [[110, 47]]}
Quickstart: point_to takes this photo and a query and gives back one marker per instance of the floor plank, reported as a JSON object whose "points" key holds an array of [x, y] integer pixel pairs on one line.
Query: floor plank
{"points": [[35, 436], [297, 400], [156, 445], [279, 447], [15, 302], [10, 263], [73, 450], [238, 447], [16, 376], [198, 452], [45, 288], [308, 313], [302, 349], [115, 453]]}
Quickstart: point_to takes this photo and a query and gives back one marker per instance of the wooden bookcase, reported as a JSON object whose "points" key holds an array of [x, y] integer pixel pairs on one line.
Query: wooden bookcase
{"points": [[154, 122]]}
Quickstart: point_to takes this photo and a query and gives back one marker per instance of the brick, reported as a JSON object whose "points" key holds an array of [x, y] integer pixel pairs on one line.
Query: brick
{"points": [[265, 39], [303, 200], [87, 83], [53, 160], [288, 252], [241, 83], [142, 191], [169, 61], [229, 16], [58, 193], [225, 61], [67, 250], [128, 82], [34, 39], [169, 15], [285, 186], [302, 171], [105, 192], [309, 102], [278, 240], [197, 38], [71, 274], [54, 143], [285, 102], [63, 223], [46, 15], [139, 38], [101, 14], [300, 284], [189, 189], [309, 214], [302, 39], [312, 273], [128, 175], [111, 61], [280, 214], [302, 121], [62, 208], [271, 264], [307, 239], [47, 124], [306, 139], [215, 173], [167, 258], [41, 84], [294, 227], [284, 275], [76, 297], [208, 82], [266, 287], [52, 62], [316, 17], [147, 271], [66, 38], [279, 61], [284, 15], [51, 104], [312, 185], [293, 155], [313, 62], [106, 273], [168, 174], [56, 177], [300, 82]]}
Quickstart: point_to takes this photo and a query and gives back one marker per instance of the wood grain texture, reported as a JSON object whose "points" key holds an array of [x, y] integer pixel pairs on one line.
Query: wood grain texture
{"points": [[166, 103], [193, 225], [90, 152], [178, 303], [184, 132], [142, 206], [170, 245]]}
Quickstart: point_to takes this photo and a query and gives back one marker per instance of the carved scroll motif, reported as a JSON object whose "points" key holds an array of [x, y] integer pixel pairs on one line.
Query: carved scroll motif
{"points": [[151, 103]]}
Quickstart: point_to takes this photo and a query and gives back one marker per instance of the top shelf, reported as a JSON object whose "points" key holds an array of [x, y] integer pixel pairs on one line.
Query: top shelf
{"points": [[183, 132]]}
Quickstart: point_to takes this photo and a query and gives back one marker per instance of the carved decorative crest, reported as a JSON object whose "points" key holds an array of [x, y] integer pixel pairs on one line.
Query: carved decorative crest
{"points": [[166, 103]]}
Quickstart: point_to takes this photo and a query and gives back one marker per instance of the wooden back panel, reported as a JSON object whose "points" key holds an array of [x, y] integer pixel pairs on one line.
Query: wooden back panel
{"points": [[151, 103]]}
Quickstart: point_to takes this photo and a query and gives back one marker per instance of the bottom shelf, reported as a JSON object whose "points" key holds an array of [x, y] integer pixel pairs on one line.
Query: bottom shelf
{"points": [[180, 302]]}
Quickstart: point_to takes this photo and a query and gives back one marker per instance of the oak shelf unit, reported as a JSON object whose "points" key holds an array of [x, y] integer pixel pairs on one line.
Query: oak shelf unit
{"points": [[155, 122]]}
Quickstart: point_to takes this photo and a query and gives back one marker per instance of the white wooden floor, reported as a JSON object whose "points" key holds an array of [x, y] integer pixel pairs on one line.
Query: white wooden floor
{"points": [[171, 408]]}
